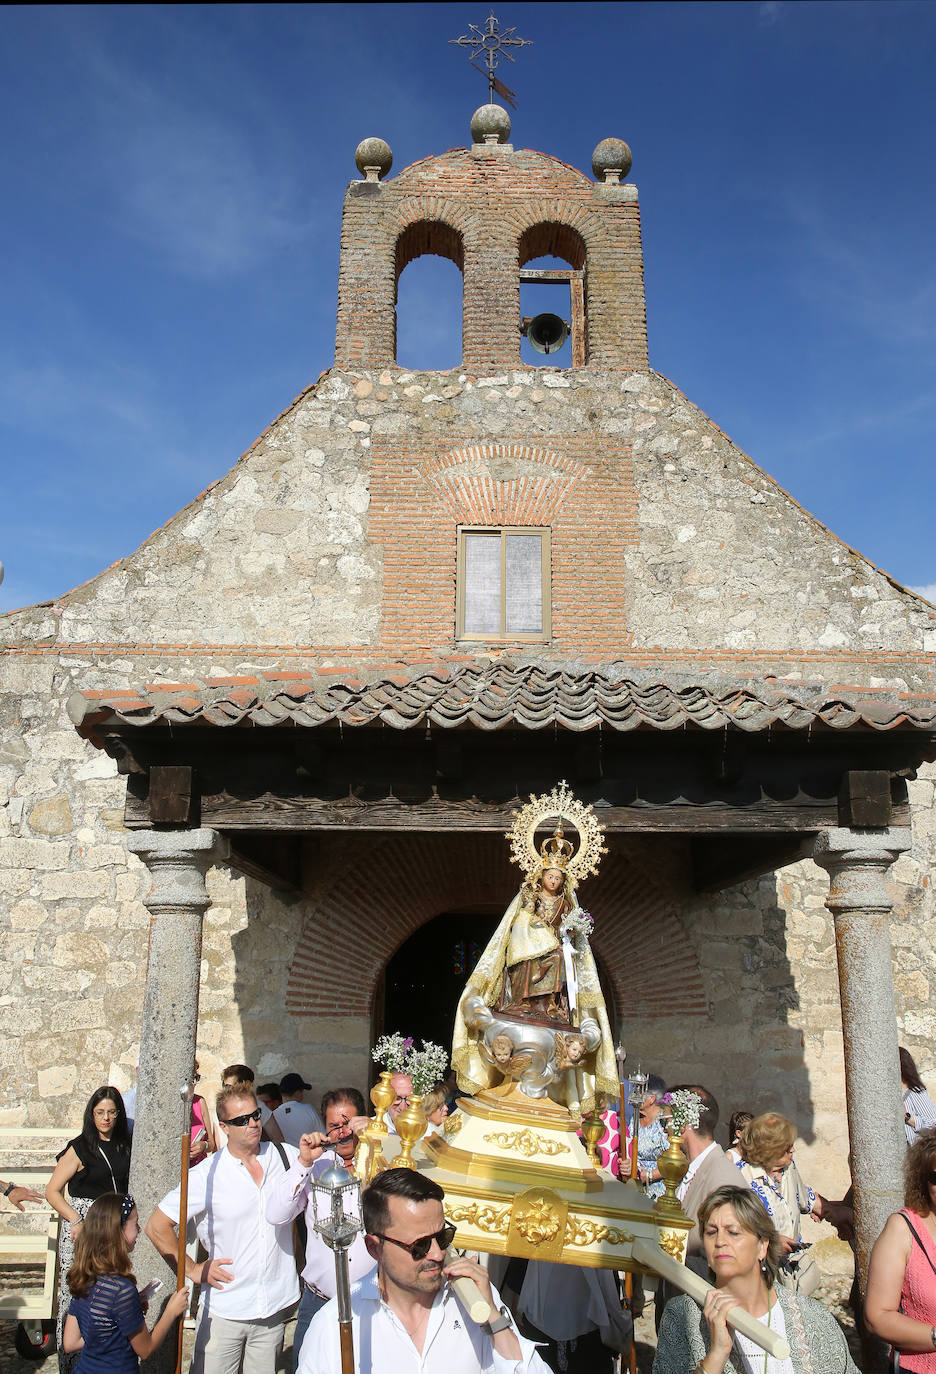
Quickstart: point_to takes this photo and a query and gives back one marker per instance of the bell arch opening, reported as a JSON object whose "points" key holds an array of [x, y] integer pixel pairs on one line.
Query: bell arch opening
{"points": [[429, 261], [551, 258]]}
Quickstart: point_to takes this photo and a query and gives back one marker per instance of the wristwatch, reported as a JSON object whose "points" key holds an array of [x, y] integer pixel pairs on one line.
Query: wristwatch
{"points": [[8, 1189], [500, 1323]]}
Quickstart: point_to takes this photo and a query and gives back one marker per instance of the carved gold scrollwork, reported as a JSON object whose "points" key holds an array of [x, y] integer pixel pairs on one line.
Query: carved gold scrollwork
{"points": [[672, 1242], [538, 1223], [579, 1232], [453, 1124], [493, 1220], [527, 1142]]}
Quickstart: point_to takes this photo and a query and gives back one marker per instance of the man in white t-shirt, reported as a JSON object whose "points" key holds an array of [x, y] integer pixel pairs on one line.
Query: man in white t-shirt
{"points": [[295, 1117], [405, 1318], [249, 1287]]}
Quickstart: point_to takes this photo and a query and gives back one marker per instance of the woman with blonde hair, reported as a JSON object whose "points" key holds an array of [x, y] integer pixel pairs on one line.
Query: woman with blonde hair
{"points": [[744, 1253], [766, 1144], [105, 1321], [435, 1106], [900, 1304]]}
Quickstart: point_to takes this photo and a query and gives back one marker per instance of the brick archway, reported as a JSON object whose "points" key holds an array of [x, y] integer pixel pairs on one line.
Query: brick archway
{"points": [[365, 911]]}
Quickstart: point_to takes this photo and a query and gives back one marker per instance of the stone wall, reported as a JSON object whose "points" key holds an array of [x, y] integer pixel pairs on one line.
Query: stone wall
{"points": [[304, 546]]}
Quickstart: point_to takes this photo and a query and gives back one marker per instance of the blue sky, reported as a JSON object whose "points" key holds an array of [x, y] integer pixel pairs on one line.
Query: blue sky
{"points": [[173, 179]]}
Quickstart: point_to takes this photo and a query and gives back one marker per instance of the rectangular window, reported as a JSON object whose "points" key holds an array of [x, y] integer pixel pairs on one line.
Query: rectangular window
{"points": [[503, 584]]}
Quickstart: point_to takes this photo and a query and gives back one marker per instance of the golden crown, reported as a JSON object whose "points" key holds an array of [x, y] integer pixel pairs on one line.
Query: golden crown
{"points": [[557, 851]]}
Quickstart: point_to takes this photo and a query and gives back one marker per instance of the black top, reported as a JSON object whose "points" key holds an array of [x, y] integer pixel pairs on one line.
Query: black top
{"points": [[105, 1168]]}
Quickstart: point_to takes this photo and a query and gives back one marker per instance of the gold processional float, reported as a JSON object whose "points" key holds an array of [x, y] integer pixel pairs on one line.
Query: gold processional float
{"points": [[532, 1047]]}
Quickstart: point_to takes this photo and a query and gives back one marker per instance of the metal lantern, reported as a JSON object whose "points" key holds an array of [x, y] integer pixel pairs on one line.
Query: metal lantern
{"points": [[336, 1208]]}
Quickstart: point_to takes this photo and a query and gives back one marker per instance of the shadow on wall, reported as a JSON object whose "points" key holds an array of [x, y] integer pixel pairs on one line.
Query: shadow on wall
{"points": [[745, 1050]]}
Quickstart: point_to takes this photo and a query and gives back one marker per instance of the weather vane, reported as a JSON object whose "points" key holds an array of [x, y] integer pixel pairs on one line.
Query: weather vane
{"points": [[492, 43]]}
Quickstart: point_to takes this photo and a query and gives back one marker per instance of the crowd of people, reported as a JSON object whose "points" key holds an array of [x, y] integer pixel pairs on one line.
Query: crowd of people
{"points": [[252, 1165]]}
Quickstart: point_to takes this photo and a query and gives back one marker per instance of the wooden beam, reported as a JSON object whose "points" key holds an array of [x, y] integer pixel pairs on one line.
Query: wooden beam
{"points": [[865, 799], [577, 293], [171, 795], [277, 812], [273, 859]]}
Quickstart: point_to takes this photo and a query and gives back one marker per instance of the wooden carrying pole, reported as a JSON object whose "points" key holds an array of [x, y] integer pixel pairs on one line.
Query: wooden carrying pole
{"points": [[631, 1172], [188, 1094], [652, 1257]]}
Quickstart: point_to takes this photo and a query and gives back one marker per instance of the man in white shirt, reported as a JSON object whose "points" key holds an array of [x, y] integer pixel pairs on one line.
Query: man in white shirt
{"points": [[295, 1117], [248, 1283], [405, 1318], [344, 1113]]}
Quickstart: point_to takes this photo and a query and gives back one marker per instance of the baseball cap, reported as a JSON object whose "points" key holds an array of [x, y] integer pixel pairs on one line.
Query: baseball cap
{"points": [[292, 1082]]}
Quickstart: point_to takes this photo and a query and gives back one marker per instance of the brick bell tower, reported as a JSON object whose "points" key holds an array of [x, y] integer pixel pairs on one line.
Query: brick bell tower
{"points": [[491, 209]]}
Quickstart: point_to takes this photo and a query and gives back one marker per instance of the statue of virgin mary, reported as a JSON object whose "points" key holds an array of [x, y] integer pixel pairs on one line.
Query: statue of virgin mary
{"points": [[538, 975]]}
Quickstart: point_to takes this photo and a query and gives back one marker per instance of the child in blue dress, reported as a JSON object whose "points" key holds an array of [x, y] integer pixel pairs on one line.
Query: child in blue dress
{"points": [[105, 1320]]}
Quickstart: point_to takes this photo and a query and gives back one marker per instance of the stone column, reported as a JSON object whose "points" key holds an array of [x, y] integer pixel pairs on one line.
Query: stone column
{"points": [[177, 899], [858, 862]]}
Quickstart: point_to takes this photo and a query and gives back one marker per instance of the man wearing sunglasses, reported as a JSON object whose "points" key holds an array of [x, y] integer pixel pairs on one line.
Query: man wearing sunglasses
{"points": [[405, 1316], [249, 1287]]}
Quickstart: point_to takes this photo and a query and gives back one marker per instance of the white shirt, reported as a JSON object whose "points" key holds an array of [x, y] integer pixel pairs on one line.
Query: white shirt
{"points": [[296, 1119], [454, 1344], [693, 1166], [753, 1358], [288, 1196], [230, 1214]]}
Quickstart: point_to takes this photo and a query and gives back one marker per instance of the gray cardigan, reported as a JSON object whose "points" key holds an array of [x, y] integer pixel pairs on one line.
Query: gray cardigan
{"points": [[817, 1342]]}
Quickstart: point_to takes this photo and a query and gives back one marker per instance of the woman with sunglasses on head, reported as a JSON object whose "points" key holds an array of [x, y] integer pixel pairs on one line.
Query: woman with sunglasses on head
{"points": [[900, 1304], [96, 1162], [743, 1251], [105, 1325]]}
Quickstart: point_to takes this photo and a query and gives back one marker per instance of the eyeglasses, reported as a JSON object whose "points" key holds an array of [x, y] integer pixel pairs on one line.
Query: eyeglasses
{"points": [[931, 1178], [419, 1249], [241, 1120]]}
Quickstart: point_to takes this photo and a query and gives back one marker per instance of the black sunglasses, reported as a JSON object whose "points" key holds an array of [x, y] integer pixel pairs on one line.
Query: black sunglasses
{"points": [[241, 1120], [419, 1249], [931, 1178]]}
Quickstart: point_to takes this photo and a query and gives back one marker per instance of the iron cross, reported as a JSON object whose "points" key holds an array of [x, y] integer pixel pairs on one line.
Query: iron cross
{"points": [[492, 43]]}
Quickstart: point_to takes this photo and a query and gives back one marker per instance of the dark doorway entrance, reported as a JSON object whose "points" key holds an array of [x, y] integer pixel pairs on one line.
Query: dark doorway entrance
{"points": [[428, 973]]}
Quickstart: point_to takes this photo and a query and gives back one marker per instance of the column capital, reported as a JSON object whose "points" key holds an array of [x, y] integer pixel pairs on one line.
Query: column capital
{"points": [[177, 861], [857, 862]]}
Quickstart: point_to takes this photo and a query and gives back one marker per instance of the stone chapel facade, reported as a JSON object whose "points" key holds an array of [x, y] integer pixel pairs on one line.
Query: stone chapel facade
{"points": [[354, 572]]}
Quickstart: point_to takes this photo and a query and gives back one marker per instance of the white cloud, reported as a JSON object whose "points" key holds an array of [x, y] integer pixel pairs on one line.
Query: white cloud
{"points": [[928, 590], [191, 182]]}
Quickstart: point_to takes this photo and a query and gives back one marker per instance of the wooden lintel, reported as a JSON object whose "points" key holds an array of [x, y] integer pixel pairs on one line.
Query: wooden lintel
{"points": [[277, 812], [550, 274], [272, 859]]}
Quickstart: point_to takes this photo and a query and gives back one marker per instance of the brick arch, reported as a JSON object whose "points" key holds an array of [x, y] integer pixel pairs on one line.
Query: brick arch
{"points": [[434, 236], [467, 483], [403, 881], [550, 238]]}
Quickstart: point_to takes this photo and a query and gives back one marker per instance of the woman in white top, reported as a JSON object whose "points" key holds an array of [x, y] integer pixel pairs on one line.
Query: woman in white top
{"points": [[919, 1111], [743, 1250]]}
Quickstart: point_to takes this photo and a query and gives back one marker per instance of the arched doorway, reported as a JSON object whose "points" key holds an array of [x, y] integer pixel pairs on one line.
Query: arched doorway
{"points": [[425, 978], [427, 975]]}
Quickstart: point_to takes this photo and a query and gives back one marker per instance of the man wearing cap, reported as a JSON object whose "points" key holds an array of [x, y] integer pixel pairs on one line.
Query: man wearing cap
{"points": [[294, 1117]]}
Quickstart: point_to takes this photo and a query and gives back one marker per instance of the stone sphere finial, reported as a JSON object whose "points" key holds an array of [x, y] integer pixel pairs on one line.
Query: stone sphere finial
{"points": [[490, 123], [374, 158], [611, 160]]}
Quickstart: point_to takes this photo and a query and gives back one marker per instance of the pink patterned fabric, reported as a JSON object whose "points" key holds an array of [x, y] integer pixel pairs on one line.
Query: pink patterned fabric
{"points": [[609, 1144], [918, 1296]]}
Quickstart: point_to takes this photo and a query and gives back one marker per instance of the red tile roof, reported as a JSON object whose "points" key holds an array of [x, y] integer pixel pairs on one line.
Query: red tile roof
{"points": [[490, 696]]}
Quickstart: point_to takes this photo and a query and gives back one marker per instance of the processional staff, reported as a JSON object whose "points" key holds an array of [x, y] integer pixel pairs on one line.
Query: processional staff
{"points": [[187, 1093]]}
